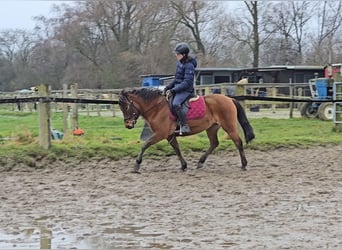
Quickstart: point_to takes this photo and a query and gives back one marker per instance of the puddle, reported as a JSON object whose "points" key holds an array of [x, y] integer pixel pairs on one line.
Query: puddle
{"points": [[38, 238], [125, 237]]}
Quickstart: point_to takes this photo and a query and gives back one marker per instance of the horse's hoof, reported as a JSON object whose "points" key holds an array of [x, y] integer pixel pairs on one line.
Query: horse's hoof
{"points": [[136, 170], [200, 165], [243, 168], [184, 169]]}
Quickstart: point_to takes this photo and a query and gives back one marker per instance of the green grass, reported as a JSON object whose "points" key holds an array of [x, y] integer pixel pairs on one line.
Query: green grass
{"points": [[273, 133], [106, 137]]}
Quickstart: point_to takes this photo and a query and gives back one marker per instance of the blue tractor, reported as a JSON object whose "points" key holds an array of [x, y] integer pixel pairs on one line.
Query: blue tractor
{"points": [[321, 92]]}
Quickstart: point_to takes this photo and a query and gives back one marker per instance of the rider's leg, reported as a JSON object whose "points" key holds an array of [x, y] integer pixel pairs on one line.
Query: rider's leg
{"points": [[180, 112], [181, 115]]}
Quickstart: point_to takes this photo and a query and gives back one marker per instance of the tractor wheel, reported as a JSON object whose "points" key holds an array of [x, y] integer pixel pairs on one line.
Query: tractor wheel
{"points": [[308, 110], [326, 111]]}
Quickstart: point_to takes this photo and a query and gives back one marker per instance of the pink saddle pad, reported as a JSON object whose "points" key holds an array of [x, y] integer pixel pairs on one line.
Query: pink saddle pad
{"points": [[197, 109]]}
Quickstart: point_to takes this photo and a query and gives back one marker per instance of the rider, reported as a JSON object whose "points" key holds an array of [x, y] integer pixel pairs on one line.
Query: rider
{"points": [[182, 87]]}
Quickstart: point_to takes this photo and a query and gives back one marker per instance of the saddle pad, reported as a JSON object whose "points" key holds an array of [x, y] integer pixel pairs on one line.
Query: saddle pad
{"points": [[197, 109]]}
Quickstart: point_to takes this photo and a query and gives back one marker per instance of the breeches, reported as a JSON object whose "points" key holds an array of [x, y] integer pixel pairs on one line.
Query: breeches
{"points": [[179, 99]]}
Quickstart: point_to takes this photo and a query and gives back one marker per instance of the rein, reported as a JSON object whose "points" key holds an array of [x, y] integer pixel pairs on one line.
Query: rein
{"points": [[135, 113]]}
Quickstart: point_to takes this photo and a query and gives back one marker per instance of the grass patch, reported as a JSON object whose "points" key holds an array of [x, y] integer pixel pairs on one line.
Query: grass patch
{"points": [[106, 137]]}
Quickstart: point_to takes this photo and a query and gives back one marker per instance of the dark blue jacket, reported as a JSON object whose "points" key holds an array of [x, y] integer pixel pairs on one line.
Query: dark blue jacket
{"points": [[184, 77]]}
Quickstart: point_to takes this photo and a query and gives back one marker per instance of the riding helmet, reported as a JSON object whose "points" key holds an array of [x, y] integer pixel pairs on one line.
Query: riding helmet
{"points": [[182, 48]]}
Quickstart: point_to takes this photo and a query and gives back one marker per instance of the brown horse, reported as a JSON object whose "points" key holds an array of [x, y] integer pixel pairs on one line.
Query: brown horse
{"points": [[221, 111]]}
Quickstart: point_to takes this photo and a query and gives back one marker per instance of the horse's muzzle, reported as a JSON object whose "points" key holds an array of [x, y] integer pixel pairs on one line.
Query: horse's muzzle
{"points": [[130, 124]]}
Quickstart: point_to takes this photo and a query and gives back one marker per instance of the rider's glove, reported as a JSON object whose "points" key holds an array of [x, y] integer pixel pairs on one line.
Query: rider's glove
{"points": [[164, 91], [169, 93]]}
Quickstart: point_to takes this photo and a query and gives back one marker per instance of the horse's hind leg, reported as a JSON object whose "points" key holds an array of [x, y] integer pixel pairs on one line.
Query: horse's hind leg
{"points": [[234, 135], [174, 143], [212, 135], [238, 143]]}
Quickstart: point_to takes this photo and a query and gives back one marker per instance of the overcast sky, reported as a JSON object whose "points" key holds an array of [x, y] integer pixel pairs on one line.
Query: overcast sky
{"points": [[19, 13]]}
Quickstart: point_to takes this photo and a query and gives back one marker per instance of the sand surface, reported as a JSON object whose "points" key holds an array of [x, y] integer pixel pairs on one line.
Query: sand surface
{"points": [[288, 198]]}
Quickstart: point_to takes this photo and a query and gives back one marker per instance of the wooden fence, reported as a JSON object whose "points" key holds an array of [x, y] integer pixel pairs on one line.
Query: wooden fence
{"points": [[106, 100], [276, 90]]}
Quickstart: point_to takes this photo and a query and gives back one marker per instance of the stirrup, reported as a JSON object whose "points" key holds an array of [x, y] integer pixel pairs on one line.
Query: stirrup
{"points": [[185, 129]]}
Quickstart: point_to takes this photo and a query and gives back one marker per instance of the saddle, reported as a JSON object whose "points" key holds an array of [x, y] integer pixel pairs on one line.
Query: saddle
{"points": [[194, 107]]}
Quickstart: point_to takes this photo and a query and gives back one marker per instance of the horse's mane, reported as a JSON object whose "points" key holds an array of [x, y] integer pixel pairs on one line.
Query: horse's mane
{"points": [[147, 94]]}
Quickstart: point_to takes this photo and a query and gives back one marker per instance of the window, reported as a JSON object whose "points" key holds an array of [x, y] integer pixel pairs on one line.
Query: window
{"points": [[222, 79], [206, 79]]}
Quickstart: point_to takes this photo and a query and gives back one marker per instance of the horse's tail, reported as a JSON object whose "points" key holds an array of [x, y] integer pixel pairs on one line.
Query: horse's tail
{"points": [[242, 118]]}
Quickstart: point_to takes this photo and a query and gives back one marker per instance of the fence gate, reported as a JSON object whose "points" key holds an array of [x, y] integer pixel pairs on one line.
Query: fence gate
{"points": [[337, 105]]}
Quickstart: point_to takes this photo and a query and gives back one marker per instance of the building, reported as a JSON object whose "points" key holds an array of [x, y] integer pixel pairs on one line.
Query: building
{"points": [[271, 74]]}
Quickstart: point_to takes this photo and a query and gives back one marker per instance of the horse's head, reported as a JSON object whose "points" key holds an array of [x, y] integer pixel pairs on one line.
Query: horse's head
{"points": [[130, 112]]}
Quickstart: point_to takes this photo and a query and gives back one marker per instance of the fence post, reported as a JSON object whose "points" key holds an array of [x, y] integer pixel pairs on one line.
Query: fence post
{"points": [[112, 106], [98, 106], [223, 89], [274, 94], [73, 89], [45, 238], [44, 118], [65, 108], [291, 97], [240, 90], [207, 90], [89, 96]]}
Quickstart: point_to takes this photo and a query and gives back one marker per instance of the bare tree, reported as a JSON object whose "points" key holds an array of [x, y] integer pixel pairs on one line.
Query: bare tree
{"points": [[188, 15], [329, 24], [7, 74], [252, 30], [290, 20], [16, 44], [254, 43], [195, 16], [300, 18], [16, 47], [105, 43]]}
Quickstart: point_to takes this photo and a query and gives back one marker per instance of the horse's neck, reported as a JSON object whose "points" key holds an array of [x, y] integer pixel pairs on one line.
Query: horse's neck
{"points": [[152, 108], [146, 107]]}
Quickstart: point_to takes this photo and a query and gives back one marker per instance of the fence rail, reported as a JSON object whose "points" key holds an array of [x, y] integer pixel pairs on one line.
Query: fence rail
{"points": [[273, 94], [105, 96]]}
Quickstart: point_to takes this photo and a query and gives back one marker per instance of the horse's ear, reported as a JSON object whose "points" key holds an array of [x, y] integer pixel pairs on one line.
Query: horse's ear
{"points": [[122, 96], [127, 90], [123, 92]]}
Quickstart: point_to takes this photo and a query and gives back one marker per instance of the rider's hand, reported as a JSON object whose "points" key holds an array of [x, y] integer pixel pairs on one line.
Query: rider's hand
{"points": [[169, 93], [164, 91]]}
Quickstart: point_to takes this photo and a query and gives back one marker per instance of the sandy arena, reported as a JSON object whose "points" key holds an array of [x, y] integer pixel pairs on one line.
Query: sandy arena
{"points": [[288, 199]]}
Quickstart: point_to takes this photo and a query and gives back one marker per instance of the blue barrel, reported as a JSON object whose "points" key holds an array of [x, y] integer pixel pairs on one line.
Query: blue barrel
{"points": [[150, 81], [156, 81], [322, 88]]}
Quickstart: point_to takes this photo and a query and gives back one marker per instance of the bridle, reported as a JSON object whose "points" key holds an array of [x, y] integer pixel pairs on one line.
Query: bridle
{"points": [[131, 109]]}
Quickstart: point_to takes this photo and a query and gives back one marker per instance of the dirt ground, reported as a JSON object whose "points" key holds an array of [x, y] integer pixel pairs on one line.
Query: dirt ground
{"points": [[288, 199]]}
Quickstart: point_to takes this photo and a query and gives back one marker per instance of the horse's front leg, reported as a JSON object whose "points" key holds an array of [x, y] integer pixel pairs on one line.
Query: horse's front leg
{"points": [[174, 143], [152, 140]]}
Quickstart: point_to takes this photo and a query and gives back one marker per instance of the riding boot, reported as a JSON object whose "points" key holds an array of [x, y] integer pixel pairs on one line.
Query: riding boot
{"points": [[181, 115]]}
